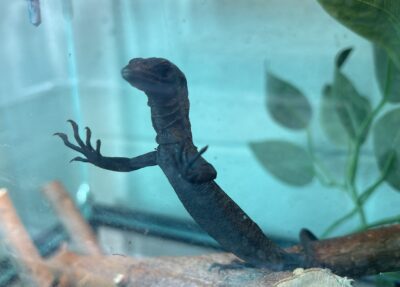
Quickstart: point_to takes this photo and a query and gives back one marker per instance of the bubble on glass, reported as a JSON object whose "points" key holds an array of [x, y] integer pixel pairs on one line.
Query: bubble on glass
{"points": [[34, 12], [83, 193]]}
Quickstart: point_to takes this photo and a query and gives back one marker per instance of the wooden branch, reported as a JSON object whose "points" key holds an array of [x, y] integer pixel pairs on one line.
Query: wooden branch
{"points": [[368, 252], [365, 253], [80, 233], [120, 271], [20, 247]]}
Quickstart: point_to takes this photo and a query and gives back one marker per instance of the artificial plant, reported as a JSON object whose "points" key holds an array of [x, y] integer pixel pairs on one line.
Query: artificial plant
{"points": [[347, 118]]}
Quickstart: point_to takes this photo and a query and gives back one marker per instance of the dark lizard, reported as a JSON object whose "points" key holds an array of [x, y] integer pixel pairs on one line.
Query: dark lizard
{"points": [[191, 176]]}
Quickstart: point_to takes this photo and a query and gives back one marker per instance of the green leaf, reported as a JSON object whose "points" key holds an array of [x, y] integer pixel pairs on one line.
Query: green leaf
{"points": [[381, 64], [286, 161], [287, 105], [330, 121], [351, 107], [376, 20], [387, 139]]}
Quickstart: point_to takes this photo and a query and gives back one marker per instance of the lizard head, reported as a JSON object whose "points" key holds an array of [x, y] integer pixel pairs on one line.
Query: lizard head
{"points": [[156, 77]]}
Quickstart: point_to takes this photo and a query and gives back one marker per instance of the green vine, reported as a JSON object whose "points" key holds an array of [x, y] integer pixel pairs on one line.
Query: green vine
{"points": [[359, 199], [347, 118]]}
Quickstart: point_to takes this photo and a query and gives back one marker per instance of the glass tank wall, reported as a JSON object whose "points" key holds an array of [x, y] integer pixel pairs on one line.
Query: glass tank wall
{"points": [[261, 75]]}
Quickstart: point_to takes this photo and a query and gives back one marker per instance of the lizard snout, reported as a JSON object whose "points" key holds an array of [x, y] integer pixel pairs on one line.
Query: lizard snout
{"points": [[126, 72]]}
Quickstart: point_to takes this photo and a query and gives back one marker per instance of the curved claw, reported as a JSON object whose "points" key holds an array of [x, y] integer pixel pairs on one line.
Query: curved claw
{"points": [[64, 138], [202, 172], [78, 158], [86, 149], [196, 157], [88, 136], [75, 128], [98, 145]]}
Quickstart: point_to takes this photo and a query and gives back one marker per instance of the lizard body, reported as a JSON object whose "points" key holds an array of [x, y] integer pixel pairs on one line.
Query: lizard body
{"points": [[190, 175]]}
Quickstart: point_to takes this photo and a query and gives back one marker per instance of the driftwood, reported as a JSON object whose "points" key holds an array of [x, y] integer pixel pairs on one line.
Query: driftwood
{"points": [[121, 271], [365, 253], [68, 269], [20, 247], [80, 233], [354, 255], [73, 270]]}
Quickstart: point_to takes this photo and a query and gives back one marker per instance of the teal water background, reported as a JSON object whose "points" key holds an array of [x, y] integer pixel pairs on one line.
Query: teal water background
{"points": [[69, 67]]}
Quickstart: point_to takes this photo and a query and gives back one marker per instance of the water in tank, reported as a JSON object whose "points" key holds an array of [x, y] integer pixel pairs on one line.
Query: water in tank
{"points": [[151, 128]]}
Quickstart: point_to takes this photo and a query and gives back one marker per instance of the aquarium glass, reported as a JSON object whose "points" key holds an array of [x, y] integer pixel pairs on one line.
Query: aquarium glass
{"points": [[296, 103]]}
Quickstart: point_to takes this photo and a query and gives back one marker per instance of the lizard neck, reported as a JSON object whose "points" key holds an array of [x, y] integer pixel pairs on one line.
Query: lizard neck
{"points": [[170, 118]]}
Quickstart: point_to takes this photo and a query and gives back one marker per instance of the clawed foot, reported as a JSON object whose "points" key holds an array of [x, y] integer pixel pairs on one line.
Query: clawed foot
{"points": [[194, 168], [91, 155], [235, 264]]}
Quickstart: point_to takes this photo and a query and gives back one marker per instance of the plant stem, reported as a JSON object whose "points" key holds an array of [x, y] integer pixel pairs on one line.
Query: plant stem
{"points": [[370, 190], [386, 221], [321, 172], [355, 155], [326, 179], [338, 222], [358, 204], [366, 125], [352, 166]]}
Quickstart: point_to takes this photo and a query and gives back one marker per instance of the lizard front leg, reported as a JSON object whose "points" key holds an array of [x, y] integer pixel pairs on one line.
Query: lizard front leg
{"points": [[94, 156]]}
